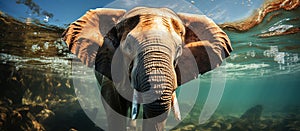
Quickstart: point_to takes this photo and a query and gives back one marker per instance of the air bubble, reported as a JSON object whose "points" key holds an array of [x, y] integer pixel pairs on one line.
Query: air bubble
{"points": [[46, 45], [280, 58], [46, 19], [251, 53], [295, 58], [272, 52], [18, 67], [250, 43], [35, 47]]}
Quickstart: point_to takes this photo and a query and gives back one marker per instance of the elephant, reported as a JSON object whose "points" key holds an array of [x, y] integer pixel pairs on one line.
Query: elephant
{"points": [[137, 54]]}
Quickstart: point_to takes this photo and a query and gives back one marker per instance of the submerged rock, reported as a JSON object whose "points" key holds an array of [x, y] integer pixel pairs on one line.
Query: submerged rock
{"points": [[253, 114], [250, 120]]}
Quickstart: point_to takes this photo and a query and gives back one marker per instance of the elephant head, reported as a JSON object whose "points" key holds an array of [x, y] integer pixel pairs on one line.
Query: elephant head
{"points": [[140, 51]]}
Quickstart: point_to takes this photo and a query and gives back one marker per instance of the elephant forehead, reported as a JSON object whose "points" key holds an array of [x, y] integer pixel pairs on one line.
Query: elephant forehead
{"points": [[163, 12], [142, 26], [152, 29], [148, 22]]}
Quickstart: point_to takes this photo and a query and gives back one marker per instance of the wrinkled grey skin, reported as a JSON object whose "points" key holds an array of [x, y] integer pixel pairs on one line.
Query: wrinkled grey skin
{"points": [[139, 50]]}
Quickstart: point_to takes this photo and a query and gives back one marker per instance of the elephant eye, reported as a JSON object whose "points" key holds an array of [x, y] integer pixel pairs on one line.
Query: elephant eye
{"points": [[181, 33]]}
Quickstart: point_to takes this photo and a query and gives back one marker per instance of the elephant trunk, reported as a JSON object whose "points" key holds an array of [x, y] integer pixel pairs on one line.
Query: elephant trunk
{"points": [[155, 80]]}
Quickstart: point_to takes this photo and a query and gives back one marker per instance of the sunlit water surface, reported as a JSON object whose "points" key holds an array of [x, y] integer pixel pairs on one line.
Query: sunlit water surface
{"points": [[260, 71]]}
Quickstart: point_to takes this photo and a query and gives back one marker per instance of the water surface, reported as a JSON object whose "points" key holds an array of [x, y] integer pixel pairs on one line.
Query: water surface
{"points": [[38, 91]]}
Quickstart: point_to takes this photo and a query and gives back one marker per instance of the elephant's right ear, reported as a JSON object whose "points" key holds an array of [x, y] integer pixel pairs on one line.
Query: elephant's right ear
{"points": [[86, 35]]}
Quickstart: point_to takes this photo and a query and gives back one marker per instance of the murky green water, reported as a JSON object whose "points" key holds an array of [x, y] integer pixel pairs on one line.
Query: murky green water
{"points": [[260, 71], [36, 81], [264, 70]]}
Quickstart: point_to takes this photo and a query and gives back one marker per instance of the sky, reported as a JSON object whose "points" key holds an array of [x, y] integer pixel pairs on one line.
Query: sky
{"points": [[63, 12]]}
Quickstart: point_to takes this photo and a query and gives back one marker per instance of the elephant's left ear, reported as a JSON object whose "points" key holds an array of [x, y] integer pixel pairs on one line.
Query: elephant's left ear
{"points": [[208, 43], [85, 35]]}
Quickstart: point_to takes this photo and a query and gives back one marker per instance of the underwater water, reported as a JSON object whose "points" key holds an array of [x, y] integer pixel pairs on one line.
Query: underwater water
{"points": [[39, 88]]}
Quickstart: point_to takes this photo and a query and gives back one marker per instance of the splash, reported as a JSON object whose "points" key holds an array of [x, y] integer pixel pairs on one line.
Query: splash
{"points": [[259, 15], [281, 30]]}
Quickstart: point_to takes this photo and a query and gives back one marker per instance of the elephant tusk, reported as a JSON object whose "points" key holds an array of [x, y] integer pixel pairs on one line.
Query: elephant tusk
{"points": [[175, 107], [134, 108]]}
